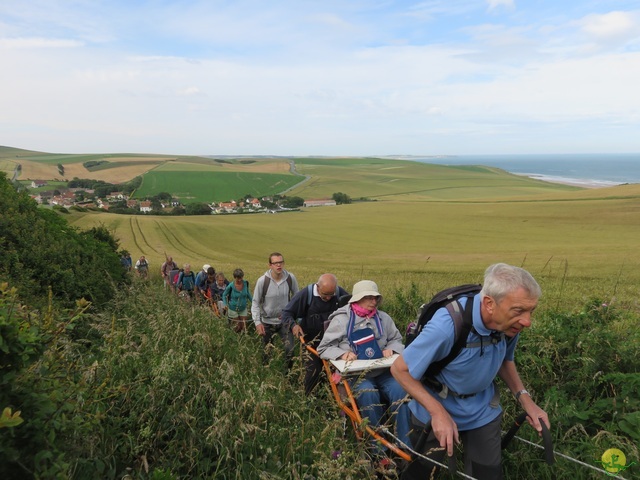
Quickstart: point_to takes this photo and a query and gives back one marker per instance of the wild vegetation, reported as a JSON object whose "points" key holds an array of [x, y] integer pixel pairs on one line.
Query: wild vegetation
{"points": [[151, 387], [42, 253]]}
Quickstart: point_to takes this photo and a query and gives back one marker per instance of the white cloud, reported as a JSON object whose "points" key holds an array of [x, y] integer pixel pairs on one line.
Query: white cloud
{"points": [[610, 25], [190, 92], [35, 42], [329, 77], [500, 3]]}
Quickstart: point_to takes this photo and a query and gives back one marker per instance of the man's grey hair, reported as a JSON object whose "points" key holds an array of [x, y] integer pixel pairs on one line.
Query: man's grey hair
{"points": [[501, 279]]}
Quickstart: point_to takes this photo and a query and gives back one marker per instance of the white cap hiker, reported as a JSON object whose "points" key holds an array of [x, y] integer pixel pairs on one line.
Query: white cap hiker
{"points": [[363, 289]]}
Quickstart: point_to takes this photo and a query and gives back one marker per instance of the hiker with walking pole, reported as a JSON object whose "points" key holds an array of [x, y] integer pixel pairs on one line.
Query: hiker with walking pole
{"points": [[460, 401]]}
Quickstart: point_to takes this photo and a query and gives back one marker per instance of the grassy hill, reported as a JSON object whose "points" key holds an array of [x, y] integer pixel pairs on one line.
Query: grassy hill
{"points": [[193, 178], [189, 178]]}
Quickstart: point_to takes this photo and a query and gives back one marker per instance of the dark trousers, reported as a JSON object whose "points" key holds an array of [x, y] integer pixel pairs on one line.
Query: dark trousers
{"points": [[482, 452], [287, 340], [312, 365]]}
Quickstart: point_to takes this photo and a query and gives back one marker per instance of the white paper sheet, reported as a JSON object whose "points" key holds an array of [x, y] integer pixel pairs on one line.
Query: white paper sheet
{"points": [[356, 366]]}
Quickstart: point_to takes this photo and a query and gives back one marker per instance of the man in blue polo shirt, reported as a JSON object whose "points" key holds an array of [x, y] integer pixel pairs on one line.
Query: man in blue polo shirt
{"points": [[462, 401]]}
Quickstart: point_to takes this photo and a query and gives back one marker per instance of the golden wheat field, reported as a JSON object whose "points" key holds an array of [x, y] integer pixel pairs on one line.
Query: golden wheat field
{"points": [[395, 243]]}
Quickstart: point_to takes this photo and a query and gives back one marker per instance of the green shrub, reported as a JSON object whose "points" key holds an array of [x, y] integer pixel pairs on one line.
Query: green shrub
{"points": [[42, 251]]}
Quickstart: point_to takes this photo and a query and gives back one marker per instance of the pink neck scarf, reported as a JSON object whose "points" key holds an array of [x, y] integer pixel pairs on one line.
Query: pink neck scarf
{"points": [[362, 312]]}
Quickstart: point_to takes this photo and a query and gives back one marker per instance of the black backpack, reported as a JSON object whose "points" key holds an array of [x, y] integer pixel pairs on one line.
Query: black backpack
{"points": [[462, 320]]}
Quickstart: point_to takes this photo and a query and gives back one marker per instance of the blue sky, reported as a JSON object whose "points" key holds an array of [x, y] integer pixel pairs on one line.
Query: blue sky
{"points": [[325, 77]]}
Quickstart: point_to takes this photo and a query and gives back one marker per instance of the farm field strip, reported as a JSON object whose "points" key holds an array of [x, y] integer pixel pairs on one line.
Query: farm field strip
{"points": [[181, 245], [206, 186], [144, 239]]}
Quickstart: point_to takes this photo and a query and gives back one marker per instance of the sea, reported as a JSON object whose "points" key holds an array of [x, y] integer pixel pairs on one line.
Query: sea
{"points": [[589, 170]]}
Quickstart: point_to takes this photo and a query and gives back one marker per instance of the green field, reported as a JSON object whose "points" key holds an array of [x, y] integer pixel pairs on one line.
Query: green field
{"points": [[213, 186], [396, 242], [404, 180]]}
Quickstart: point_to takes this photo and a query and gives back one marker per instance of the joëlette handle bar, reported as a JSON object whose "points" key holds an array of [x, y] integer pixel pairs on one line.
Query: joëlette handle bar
{"points": [[546, 437]]}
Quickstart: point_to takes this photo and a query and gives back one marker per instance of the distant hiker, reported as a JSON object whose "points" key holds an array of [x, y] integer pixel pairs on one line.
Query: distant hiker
{"points": [[272, 292], [306, 315], [165, 271], [129, 261], [187, 281], [462, 402], [236, 297], [124, 262], [359, 331], [205, 278], [176, 276], [142, 267], [201, 276], [217, 289]]}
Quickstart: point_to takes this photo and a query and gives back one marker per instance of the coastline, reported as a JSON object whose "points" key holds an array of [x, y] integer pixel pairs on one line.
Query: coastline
{"points": [[578, 170], [574, 182]]}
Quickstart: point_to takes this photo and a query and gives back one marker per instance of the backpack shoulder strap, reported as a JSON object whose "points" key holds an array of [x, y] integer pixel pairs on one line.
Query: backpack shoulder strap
{"points": [[265, 286], [309, 294], [462, 324], [290, 283]]}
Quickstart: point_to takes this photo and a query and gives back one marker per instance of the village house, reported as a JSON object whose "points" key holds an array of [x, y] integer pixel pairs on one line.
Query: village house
{"points": [[102, 204], [65, 199], [88, 191], [115, 196], [38, 183], [145, 206], [322, 202], [132, 203]]}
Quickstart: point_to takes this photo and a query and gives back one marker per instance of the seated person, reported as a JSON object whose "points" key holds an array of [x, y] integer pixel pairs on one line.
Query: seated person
{"points": [[359, 331]]}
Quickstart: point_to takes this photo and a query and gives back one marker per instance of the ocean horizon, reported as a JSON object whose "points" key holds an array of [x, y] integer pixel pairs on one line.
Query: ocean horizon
{"points": [[592, 170]]}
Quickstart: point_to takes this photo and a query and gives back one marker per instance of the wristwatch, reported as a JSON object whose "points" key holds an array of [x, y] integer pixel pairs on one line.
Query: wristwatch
{"points": [[521, 392]]}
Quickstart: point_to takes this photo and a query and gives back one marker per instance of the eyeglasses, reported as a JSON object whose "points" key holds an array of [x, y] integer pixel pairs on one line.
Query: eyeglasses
{"points": [[278, 264], [322, 294], [371, 297]]}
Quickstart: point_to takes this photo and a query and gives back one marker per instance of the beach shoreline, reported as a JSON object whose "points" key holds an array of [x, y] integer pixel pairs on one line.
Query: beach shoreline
{"points": [[574, 182]]}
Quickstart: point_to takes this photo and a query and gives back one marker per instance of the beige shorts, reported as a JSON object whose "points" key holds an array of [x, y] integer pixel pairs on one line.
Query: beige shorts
{"points": [[233, 314]]}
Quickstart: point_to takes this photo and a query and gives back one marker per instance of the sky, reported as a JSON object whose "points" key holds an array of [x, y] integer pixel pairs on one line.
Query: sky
{"points": [[323, 77]]}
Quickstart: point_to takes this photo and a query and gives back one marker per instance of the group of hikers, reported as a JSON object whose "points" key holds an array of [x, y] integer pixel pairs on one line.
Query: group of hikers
{"points": [[226, 299], [432, 409]]}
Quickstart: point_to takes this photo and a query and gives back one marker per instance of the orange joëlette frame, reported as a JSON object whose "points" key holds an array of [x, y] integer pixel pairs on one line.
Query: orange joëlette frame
{"points": [[351, 408]]}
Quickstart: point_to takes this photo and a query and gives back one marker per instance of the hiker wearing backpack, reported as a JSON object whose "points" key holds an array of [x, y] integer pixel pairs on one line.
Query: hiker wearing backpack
{"points": [[360, 331], [187, 281], [272, 292], [236, 297], [204, 280], [217, 289], [165, 271], [459, 400], [142, 267], [306, 315]]}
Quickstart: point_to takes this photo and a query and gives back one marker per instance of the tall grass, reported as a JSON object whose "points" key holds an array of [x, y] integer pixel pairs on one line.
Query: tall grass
{"points": [[159, 388], [183, 396]]}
